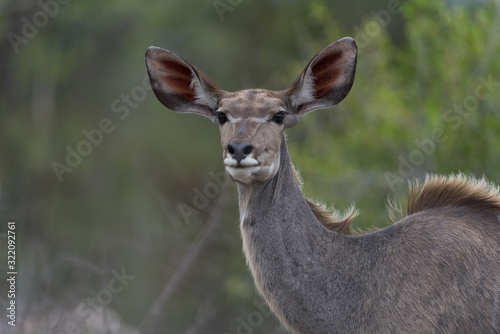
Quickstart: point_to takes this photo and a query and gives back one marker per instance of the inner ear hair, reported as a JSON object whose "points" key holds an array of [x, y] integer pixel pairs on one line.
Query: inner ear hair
{"points": [[327, 79], [180, 86]]}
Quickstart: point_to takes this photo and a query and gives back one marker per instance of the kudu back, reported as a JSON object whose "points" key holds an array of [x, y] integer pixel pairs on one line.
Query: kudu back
{"points": [[436, 270]]}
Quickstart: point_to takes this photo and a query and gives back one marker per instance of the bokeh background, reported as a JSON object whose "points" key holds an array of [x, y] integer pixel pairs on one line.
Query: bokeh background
{"points": [[124, 221]]}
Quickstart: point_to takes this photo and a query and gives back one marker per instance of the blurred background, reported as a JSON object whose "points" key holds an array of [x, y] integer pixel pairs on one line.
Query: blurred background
{"points": [[124, 220]]}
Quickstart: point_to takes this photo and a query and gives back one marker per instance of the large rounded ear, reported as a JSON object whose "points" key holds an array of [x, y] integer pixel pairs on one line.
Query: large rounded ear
{"points": [[327, 78], [180, 86]]}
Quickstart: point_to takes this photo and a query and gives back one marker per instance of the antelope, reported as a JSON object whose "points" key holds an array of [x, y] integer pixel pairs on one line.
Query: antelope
{"points": [[436, 270]]}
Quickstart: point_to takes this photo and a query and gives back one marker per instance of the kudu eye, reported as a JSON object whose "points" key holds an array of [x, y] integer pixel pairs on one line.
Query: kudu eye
{"points": [[278, 118], [222, 118]]}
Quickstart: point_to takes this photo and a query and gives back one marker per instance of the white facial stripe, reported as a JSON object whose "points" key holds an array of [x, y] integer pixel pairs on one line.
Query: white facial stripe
{"points": [[232, 119], [257, 119], [249, 119]]}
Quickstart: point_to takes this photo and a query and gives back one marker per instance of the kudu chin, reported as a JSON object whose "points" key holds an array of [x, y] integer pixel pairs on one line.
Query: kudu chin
{"points": [[437, 270]]}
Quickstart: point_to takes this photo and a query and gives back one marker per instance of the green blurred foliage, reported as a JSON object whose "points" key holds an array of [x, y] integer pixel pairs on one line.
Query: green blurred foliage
{"points": [[119, 207], [402, 95]]}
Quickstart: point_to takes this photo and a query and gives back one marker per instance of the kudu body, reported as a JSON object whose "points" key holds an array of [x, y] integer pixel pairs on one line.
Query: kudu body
{"points": [[437, 270]]}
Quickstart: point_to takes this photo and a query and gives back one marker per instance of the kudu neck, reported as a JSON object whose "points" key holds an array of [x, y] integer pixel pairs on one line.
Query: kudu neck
{"points": [[281, 236], [279, 196]]}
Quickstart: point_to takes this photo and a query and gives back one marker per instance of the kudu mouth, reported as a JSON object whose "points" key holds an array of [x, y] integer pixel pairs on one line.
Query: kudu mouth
{"points": [[243, 174], [244, 163]]}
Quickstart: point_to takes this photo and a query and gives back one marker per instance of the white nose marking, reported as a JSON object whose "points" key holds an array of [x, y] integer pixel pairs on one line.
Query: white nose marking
{"points": [[247, 162]]}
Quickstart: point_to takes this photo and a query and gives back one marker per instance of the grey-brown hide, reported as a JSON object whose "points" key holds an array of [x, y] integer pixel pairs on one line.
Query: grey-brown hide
{"points": [[437, 270], [251, 122]]}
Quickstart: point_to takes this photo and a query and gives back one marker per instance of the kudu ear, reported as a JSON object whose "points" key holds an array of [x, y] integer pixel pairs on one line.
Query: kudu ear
{"points": [[180, 86], [327, 78]]}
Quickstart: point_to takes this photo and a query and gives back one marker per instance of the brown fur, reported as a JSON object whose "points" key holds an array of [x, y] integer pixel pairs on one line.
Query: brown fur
{"points": [[331, 219], [454, 191], [457, 190]]}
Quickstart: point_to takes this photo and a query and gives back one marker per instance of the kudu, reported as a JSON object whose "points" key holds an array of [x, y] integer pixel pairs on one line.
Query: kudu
{"points": [[437, 270]]}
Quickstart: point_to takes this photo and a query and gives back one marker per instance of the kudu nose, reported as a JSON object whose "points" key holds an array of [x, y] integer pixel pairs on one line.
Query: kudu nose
{"points": [[239, 151]]}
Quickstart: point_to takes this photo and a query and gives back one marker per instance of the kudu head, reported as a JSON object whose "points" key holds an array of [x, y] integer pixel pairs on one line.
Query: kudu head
{"points": [[251, 122]]}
